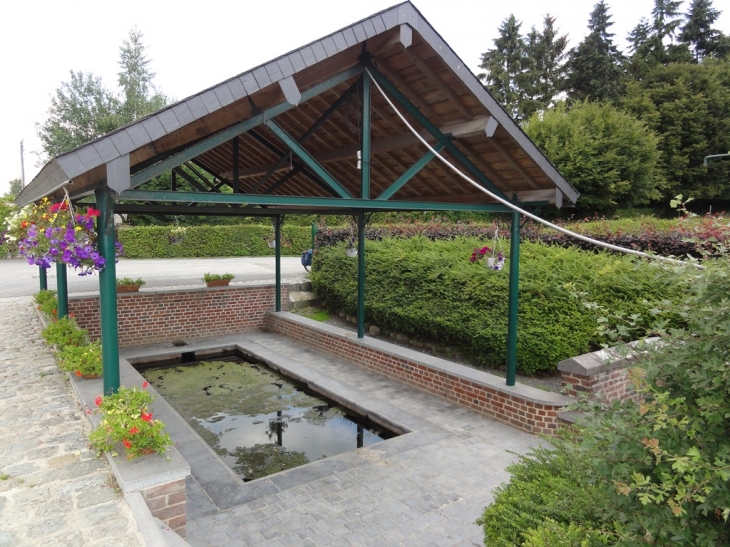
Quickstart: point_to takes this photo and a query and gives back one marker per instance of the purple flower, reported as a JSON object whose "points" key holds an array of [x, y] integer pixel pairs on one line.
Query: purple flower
{"points": [[70, 236], [94, 256], [32, 232], [54, 242], [66, 257], [53, 251], [48, 233]]}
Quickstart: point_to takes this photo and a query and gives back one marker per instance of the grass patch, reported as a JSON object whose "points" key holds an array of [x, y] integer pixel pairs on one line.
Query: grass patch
{"points": [[316, 314]]}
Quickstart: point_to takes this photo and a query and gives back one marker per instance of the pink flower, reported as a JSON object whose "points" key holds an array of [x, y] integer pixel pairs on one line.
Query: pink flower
{"points": [[98, 400], [147, 417], [92, 212], [145, 384]]}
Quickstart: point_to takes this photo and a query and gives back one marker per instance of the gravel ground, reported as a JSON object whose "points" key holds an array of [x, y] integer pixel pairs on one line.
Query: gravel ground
{"points": [[546, 382]]}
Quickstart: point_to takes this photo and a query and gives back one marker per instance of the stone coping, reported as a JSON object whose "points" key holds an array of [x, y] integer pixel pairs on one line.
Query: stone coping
{"points": [[294, 283], [596, 362], [520, 391], [139, 473]]}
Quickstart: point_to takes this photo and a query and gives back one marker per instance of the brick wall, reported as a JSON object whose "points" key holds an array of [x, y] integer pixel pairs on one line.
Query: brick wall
{"points": [[522, 407], [161, 316], [167, 502], [608, 386]]}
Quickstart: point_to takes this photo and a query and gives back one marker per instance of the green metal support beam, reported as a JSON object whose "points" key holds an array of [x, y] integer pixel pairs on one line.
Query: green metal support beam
{"points": [[412, 172], [61, 290], [365, 137], [431, 128], [277, 237], [108, 291], [43, 277], [514, 288], [297, 201], [307, 158], [361, 274], [238, 129]]}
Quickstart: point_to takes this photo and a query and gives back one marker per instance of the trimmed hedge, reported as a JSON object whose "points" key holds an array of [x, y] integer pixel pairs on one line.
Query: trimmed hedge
{"points": [[430, 290], [212, 241]]}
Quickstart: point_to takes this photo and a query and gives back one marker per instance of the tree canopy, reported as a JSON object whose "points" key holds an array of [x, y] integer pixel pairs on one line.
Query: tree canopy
{"points": [[82, 109]]}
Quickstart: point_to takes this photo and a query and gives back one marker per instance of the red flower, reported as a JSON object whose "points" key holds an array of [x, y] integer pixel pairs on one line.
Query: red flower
{"points": [[98, 400], [133, 431], [147, 417], [127, 444], [145, 384], [78, 373], [92, 212]]}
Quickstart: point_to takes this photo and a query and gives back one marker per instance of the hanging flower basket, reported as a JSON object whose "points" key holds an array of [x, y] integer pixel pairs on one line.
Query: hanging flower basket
{"points": [[177, 235], [351, 252], [493, 257], [271, 243], [48, 233]]}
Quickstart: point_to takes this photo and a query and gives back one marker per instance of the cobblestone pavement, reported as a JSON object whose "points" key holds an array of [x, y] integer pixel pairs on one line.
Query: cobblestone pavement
{"points": [[424, 488], [53, 490]]}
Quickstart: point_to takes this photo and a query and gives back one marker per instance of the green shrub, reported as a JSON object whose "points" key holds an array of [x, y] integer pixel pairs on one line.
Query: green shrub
{"points": [[47, 302], [555, 534], [65, 332], [84, 360], [545, 484], [429, 289], [217, 277], [210, 241]]}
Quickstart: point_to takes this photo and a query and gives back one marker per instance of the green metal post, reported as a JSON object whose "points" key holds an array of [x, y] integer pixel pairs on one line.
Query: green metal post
{"points": [[360, 274], [514, 287], [277, 236], [43, 278], [108, 291], [62, 290], [365, 137]]}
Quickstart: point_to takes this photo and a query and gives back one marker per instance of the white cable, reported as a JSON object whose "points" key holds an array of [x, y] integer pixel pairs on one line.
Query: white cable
{"points": [[514, 207]]}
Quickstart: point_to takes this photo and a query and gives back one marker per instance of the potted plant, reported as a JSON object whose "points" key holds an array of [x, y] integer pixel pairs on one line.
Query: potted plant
{"points": [[64, 332], [127, 419], [351, 248], [127, 284], [492, 262], [85, 361], [217, 280]]}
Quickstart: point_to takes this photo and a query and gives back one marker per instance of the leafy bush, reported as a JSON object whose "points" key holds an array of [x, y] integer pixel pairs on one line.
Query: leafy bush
{"points": [[202, 241], [65, 332], [659, 469], [430, 290], [47, 302], [217, 277], [84, 360]]}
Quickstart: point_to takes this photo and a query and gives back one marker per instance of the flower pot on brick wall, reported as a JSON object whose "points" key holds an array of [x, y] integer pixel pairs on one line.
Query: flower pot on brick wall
{"points": [[218, 283], [127, 288]]}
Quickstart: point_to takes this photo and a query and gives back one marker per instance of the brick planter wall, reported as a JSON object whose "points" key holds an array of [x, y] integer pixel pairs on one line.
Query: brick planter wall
{"points": [[523, 407], [149, 317], [167, 502], [601, 374]]}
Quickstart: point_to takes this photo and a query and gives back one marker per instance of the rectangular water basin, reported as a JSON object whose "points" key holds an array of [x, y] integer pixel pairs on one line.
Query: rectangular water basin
{"points": [[257, 420]]}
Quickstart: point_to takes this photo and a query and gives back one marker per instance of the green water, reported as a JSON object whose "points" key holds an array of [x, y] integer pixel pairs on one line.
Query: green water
{"points": [[258, 421]]}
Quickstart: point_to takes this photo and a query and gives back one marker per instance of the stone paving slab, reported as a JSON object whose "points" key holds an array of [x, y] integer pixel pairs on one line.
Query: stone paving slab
{"points": [[426, 487], [53, 490]]}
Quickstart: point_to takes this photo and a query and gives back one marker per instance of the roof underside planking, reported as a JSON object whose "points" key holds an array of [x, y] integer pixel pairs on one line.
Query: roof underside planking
{"points": [[237, 132]]}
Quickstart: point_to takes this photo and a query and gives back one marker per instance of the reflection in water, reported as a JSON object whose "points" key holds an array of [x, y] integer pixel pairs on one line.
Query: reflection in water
{"points": [[258, 421]]}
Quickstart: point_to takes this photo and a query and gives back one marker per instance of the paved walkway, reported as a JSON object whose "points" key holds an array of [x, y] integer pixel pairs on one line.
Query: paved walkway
{"points": [[53, 490], [423, 488]]}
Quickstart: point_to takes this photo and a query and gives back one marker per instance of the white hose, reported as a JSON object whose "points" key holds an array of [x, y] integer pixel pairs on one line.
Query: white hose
{"points": [[513, 206]]}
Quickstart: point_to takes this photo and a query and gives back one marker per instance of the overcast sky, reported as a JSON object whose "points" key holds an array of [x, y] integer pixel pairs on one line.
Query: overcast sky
{"points": [[195, 44]]}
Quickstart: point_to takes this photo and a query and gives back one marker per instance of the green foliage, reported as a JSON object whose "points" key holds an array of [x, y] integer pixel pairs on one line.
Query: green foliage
{"points": [[47, 303], [594, 67], [65, 332], [127, 418], [129, 281], [82, 109], [553, 534], [217, 277], [659, 468], [430, 290], [85, 360], [608, 155], [546, 484], [210, 241], [699, 33], [15, 187], [688, 107]]}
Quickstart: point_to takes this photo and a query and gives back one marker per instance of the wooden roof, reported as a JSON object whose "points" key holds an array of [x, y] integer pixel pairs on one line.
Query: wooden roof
{"points": [[405, 50]]}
